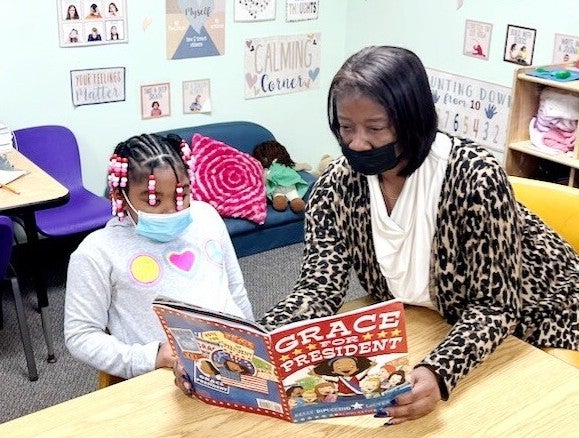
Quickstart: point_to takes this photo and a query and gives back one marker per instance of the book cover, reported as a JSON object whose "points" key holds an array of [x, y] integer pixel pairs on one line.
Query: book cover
{"points": [[346, 364]]}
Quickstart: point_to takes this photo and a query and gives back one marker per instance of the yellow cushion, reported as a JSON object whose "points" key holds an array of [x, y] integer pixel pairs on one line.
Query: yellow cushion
{"points": [[557, 205], [105, 380], [569, 356]]}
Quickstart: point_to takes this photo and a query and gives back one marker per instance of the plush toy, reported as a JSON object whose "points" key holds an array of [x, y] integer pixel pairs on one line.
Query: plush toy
{"points": [[324, 162], [283, 183]]}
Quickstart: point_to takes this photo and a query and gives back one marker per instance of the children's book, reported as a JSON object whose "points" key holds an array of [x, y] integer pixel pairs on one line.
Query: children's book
{"points": [[351, 363]]}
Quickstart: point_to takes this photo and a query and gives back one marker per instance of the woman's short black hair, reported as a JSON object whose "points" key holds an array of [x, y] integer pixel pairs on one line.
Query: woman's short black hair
{"points": [[395, 78]]}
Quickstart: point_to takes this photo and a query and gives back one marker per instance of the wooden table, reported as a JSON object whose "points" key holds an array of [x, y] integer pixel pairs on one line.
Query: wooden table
{"points": [[518, 391], [37, 191]]}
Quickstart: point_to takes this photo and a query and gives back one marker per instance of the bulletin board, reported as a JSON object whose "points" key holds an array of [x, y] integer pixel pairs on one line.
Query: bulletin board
{"points": [[470, 108]]}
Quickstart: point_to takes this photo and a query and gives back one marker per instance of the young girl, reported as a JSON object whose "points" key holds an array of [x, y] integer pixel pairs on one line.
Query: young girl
{"points": [[159, 243]]}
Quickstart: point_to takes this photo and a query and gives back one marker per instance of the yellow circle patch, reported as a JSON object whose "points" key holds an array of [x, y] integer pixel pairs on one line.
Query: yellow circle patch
{"points": [[145, 269]]}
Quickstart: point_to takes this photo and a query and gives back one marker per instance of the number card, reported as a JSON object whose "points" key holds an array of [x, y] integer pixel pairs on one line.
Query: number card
{"points": [[470, 108]]}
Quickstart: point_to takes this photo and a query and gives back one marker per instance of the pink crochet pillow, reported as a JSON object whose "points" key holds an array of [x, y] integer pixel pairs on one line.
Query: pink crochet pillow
{"points": [[228, 179]]}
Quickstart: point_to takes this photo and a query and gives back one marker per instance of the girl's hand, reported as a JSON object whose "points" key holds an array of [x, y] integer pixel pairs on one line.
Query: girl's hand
{"points": [[181, 380], [420, 401], [165, 358]]}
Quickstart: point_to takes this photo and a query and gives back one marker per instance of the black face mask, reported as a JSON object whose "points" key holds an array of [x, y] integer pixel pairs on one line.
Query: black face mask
{"points": [[373, 161]]}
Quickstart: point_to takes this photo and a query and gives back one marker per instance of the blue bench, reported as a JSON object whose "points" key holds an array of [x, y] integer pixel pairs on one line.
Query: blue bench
{"points": [[280, 228]]}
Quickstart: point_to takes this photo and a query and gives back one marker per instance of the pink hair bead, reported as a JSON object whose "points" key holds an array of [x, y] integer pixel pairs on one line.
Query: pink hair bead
{"points": [[179, 196], [151, 187]]}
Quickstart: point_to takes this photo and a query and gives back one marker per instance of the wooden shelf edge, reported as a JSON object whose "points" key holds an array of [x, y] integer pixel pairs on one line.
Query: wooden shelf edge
{"points": [[528, 148]]}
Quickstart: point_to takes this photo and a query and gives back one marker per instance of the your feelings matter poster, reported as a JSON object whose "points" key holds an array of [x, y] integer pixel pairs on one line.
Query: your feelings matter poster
{"points": [[195, 28]]}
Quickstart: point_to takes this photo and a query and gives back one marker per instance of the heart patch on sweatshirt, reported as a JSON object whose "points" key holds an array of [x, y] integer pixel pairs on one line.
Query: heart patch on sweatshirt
{"points": [[182, 260]]}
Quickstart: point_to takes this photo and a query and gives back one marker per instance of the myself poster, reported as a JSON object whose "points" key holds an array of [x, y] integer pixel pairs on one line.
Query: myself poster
{"points": [[195, 28]]}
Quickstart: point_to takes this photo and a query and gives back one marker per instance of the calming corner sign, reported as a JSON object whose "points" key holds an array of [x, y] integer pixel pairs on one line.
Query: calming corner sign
{"points": [[281, 65]]}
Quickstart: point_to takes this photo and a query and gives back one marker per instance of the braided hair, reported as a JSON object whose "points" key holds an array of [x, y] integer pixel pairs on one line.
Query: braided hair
{"points": [[137, 158]]}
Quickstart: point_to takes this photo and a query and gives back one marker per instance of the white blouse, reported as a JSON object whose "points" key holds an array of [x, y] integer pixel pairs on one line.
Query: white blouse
{"points": [[403, 239]]}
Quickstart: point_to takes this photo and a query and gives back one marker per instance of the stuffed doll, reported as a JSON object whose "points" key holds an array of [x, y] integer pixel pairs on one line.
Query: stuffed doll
{"points": [[283, 183]]}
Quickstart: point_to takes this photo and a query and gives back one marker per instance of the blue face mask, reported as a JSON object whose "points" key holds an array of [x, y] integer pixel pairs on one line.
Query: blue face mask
{"points": [[160, 227], [163, 227]]}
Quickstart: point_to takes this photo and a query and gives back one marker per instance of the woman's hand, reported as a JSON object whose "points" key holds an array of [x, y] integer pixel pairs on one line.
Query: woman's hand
{"points": [[181, 380], [165, 358], [420, 401]]}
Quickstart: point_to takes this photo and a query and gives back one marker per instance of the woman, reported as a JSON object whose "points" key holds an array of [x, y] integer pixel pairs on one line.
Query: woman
{"points": [[431, 220], [72, 13], [113, 10], [93, 12], [114, 33], [94, 35]]}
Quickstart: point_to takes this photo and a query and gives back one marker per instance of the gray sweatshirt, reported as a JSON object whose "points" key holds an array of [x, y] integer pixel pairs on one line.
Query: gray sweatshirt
{"points": [[114, 275]]}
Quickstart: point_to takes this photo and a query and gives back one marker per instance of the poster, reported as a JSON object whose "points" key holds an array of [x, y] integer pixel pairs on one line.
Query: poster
{"points": [[281, 64], [196, 96], [254, 10], [477, 39], [519, 45], [301, 10], [90, 22], [97, 85], [471, 109], [155, 101], [195, 28], [565, 49]]}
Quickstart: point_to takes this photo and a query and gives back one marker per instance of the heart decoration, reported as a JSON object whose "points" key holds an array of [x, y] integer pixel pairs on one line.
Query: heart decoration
{"points": [[182, 260], [250, 79], [254, 7], [248, 43], [313, 74], [197, 12]]}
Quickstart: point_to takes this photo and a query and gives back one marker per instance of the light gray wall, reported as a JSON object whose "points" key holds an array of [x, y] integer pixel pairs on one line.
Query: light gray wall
{"points": [[35, 80]]}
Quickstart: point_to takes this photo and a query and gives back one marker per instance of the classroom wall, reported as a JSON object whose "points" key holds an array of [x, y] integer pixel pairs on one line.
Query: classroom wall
{"points": [[35, 80], [435, 29]]}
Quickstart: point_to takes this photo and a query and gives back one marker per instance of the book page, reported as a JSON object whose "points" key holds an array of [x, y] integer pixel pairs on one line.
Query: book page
{"points": [[227, 359]]}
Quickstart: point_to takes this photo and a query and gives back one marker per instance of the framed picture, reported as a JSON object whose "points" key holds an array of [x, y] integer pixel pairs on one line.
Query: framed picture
{"points": [[196, 96], [519, 45], [155, 100], [89, 22], [477, 39], [301, 10], [565, 49], [254, 10]]}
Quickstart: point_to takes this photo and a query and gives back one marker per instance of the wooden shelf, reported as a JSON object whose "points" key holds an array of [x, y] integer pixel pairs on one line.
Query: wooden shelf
{"points": [[522, 158], [528, 148]]}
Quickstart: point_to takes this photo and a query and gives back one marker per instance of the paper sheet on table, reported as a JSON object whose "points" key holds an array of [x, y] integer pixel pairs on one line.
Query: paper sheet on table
{"points": [[7, 176]]}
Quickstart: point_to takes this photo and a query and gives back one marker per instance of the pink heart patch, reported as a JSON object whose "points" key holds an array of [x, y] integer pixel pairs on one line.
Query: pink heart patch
{"points": [[183, 260]]}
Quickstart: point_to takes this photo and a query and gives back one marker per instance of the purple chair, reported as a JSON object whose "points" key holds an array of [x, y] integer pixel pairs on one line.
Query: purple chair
{"points": [[54, 149], [6, 239]]}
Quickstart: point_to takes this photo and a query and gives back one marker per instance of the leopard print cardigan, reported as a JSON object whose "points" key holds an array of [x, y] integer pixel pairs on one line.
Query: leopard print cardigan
{"points": [[496, 269]]}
